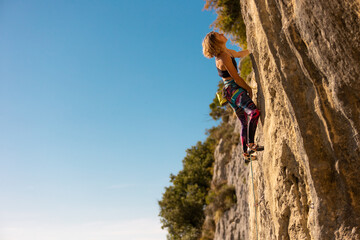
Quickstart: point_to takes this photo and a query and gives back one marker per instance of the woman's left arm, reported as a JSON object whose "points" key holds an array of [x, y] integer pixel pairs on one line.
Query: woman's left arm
{"points": [[239, 54]]}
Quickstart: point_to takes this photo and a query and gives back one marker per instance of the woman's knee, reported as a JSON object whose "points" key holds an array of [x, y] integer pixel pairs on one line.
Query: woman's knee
{"points": [[255, 113]]}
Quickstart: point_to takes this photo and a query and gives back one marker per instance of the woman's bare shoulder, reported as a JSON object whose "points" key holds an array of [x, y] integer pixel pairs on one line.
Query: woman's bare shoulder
{"points": [[223, 55], [219, 63], [221, 60]]}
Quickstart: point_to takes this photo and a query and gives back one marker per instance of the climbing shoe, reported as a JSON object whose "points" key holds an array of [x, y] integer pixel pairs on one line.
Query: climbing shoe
{"points": [[249, 157], [254, 148]]}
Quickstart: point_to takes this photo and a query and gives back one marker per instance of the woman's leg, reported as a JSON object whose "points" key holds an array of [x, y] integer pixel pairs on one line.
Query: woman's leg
{"points": [[244, 107], [244, 102], [244, 126]]}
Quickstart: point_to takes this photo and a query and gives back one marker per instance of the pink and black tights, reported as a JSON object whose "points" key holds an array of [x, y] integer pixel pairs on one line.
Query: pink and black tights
{"points": [[246, 111]]}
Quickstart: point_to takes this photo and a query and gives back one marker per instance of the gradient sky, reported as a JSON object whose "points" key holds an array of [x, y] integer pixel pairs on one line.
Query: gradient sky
{"points": [[99, 100]]}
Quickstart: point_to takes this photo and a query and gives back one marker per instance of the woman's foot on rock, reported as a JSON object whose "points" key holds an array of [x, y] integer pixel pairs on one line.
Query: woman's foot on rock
{"points": [[252, 147]]}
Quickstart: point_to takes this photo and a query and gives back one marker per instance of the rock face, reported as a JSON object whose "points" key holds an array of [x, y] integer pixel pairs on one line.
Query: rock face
{"points": [[307, 181]]}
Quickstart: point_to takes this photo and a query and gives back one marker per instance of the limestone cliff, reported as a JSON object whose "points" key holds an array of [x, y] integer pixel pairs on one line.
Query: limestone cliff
{"points": [[307, 181]]}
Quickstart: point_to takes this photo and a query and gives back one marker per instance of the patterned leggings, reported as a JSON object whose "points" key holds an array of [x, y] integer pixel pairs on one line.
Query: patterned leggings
{"points": [[247, 113]]}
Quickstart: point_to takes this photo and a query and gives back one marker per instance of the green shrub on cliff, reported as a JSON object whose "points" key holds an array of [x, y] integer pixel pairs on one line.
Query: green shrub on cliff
{"points": [[229, 19], [220, 199], [245, 67]]}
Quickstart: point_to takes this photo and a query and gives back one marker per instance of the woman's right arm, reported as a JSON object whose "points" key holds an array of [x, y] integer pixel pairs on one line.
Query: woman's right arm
{"points": [[226, 60], [239, 54]]}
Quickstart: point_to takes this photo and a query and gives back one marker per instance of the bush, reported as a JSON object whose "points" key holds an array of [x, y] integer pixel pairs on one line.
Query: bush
{"points": [[220, 199], [245, 67], [229, 19], [182, 205]]}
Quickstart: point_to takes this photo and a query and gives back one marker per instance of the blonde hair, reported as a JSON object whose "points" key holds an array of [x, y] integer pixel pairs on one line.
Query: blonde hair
{"points": [[211, 46]]}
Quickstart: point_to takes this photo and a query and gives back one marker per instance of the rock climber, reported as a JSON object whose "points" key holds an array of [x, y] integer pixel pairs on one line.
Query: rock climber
{"points": [[236, 91]]}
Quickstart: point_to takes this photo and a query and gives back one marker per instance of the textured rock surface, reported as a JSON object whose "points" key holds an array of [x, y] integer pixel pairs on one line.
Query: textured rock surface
{"points": [[307, 181]]}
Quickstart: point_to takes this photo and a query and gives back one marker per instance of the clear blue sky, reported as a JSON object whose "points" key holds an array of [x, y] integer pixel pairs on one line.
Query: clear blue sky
{"points": [[98, 102]]}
